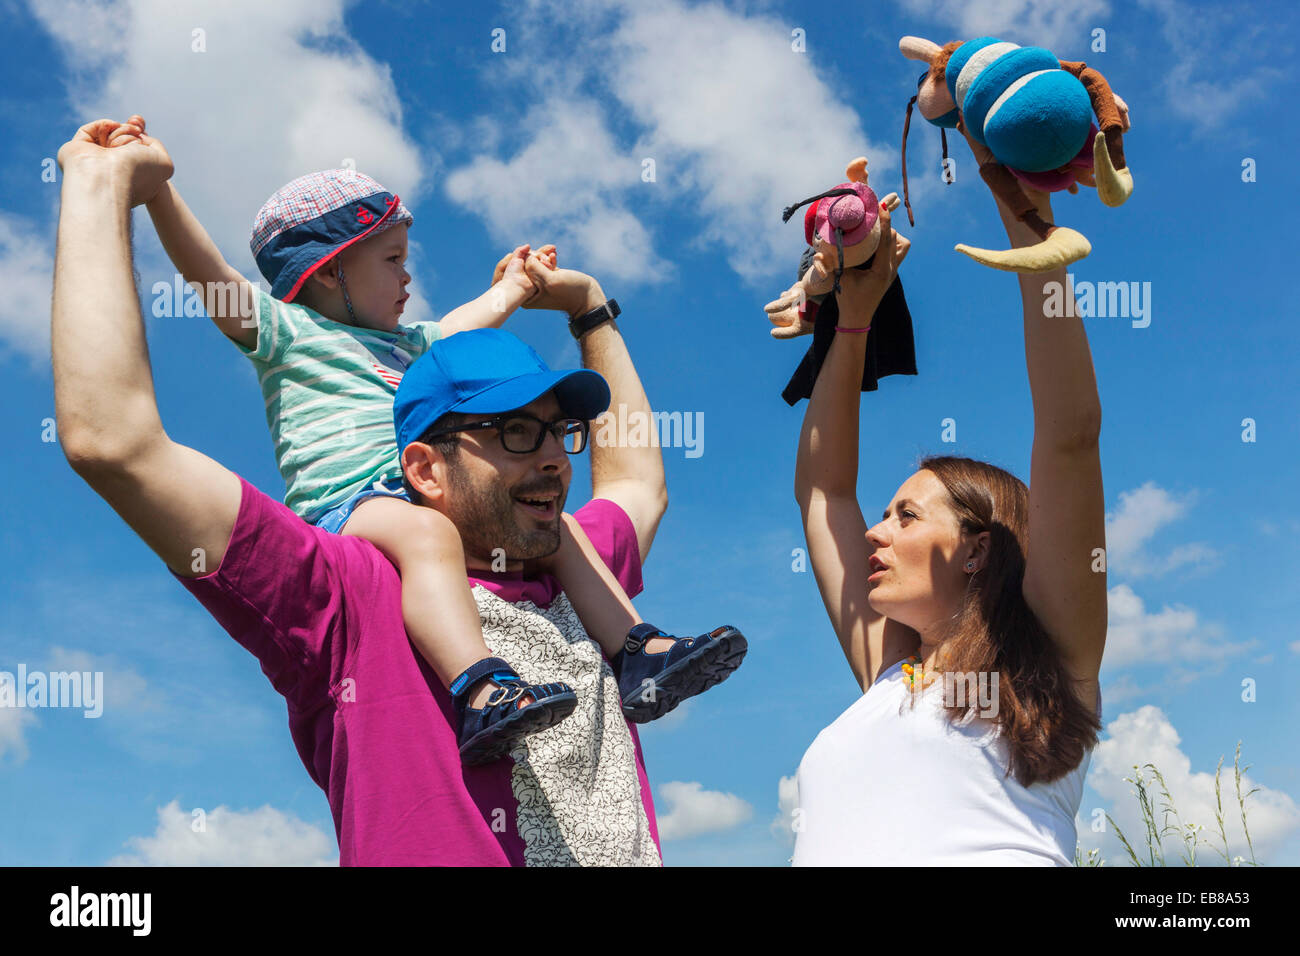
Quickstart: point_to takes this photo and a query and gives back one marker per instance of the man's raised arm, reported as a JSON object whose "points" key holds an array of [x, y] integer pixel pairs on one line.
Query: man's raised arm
{"points": [[631, 476], [180, 502]]}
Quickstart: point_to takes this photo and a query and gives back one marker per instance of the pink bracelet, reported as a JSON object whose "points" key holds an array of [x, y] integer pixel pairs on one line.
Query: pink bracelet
{"points": [[840, 328]]}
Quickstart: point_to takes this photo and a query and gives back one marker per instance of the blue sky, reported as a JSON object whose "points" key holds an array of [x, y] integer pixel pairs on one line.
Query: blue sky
{"points": [[546, 141]]}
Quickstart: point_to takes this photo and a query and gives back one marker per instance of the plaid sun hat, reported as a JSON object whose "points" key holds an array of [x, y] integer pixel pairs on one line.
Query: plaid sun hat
{"points": [[310, 220]]}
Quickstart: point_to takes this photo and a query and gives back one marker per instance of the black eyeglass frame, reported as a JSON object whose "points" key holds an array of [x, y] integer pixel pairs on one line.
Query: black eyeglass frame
{"points": [[560, 428]]}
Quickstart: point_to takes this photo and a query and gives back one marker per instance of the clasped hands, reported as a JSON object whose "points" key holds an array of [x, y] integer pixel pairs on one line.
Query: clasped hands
{"points": [[141, 165], [547, 286]]}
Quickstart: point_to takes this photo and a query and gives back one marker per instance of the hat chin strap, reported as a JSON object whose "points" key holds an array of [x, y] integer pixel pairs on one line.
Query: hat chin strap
{"points": [[346, 299]]}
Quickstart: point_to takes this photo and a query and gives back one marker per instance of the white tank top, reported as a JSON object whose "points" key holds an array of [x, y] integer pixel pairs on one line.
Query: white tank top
{"points": [[880, 788]]}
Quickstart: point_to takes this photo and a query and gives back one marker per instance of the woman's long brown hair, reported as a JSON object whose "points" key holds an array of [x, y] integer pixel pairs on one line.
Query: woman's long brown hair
{"points": [[1039, 713]]}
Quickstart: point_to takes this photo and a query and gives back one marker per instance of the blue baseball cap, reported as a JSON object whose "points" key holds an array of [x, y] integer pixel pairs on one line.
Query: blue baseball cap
{"points": [[487, 371]]}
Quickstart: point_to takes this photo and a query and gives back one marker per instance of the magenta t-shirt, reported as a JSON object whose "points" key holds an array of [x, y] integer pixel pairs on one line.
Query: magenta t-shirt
{"points": [[371, 721]]}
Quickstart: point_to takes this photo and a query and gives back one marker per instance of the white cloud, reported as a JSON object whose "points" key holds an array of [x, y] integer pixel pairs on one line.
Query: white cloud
{"points": [[26, 274], [124, 688], [1219, 61], [1295, 647], [1121, 689], [171, 691], [1290, 526], [1172, 635], [1047, 23], [577, 177], [281, 90], [725, 96], [14, 723], [1146, 736], [692, 810], [1141, 514], [261, 837], [787, 801], [722, 105], [1193, 555]]}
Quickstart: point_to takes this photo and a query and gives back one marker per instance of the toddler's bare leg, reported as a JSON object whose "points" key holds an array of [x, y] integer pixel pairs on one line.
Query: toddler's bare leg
{"points": [[438, 609], [601, 603]]}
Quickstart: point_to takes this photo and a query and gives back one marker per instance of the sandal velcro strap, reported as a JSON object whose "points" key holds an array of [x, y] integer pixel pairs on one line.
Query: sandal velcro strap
{"points": [[505, 694], [493, 731], [492, 667], [637, 637]]}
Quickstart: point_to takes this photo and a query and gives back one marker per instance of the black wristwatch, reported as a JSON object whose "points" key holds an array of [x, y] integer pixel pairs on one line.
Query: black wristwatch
{"points": [[583, 324]]}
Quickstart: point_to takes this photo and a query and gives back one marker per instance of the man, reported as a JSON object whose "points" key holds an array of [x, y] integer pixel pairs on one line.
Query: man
{"points": [[322, 613]]}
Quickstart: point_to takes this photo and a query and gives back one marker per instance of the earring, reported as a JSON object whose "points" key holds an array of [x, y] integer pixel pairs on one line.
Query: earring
{"points": [[969, 565]]}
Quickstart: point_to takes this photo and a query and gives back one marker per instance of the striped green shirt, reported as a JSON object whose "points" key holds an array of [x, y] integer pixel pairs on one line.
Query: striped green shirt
{"points": [[329, 391]]}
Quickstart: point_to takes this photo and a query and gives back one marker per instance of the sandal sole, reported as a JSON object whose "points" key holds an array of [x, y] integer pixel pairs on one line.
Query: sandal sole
{"points": [[499, 739], [689, 677]]}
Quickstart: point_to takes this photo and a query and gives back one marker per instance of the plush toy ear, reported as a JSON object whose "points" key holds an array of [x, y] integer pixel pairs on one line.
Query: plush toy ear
{"points": [[856, 171], [916, 48]]}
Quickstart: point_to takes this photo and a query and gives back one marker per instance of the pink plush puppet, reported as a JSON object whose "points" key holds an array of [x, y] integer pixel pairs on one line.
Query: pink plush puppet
{"points": [[842, 225]]}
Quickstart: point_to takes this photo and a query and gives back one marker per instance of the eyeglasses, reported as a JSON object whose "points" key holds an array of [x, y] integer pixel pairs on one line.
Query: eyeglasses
{"points": [[523, 434]]}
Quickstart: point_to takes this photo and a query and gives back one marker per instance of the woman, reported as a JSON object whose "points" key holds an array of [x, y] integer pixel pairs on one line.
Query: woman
{"points": [[978, 655]]}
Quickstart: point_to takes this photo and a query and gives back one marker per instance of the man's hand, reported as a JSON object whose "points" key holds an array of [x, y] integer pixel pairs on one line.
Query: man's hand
{"points": [[565, 290], [123, 150], [862, 289], [511, 269]]}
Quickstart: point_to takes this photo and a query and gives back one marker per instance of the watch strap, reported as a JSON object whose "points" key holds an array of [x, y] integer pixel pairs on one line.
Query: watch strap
{"points": [[582, 324]]}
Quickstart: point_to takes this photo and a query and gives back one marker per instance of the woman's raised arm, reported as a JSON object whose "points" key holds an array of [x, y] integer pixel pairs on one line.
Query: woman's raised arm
{"points": [[826, 469], [1067, 512]]}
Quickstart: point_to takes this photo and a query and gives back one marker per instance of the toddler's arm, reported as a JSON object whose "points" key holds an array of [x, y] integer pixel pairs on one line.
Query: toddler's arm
{"points": [[197, 258], [227, 296], [510, 289]]}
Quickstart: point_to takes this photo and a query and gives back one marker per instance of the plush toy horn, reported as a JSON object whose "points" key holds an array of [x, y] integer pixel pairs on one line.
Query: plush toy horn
{"points": [[1061, 247], [918, 48], [1114, 186]]}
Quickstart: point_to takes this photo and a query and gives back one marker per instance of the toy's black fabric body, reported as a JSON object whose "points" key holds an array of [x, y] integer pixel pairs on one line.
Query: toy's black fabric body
{"points": [[890, 349]]}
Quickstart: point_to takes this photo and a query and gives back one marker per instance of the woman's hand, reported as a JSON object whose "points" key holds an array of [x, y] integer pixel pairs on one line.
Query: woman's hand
{"points": [[862, 289], [1017, 231]]}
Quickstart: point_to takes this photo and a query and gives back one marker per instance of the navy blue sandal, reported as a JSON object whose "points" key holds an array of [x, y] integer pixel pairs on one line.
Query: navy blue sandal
{"points": [[653, 684], [491, 732]]}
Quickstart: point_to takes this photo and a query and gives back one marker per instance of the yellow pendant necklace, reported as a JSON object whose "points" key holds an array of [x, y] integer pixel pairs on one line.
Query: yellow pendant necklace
{"points": [[911, 668]]}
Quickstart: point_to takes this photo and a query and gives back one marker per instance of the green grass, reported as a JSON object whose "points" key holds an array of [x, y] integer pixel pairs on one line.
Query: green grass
{"points": [[1171, 824]]}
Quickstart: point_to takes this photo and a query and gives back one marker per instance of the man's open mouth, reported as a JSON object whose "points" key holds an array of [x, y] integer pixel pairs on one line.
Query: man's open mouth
{"points": [[540, 506]]}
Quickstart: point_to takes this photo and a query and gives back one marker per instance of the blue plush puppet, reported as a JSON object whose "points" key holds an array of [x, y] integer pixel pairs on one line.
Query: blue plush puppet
{"points": [[1034, 114]]}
